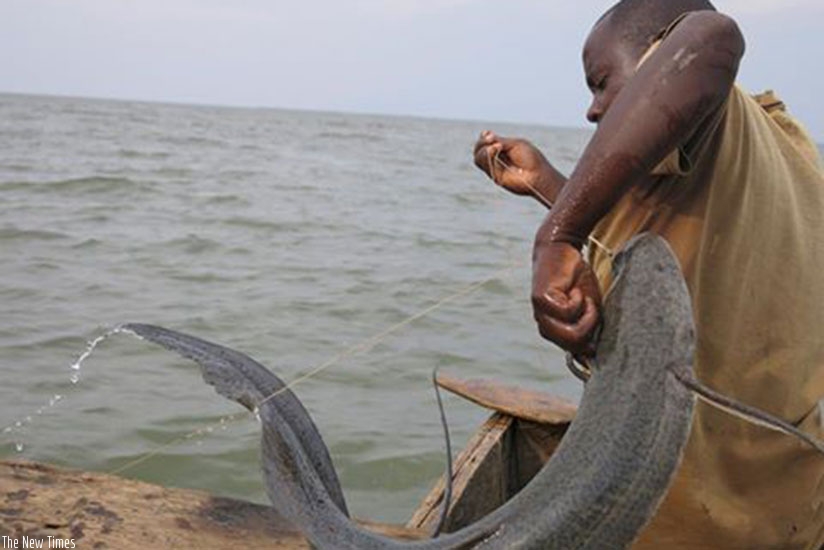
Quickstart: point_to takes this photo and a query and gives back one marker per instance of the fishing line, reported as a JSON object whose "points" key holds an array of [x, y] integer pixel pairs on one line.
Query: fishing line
{"points": [[582, 367], [355, 350], [362, 347], [496, 159]]}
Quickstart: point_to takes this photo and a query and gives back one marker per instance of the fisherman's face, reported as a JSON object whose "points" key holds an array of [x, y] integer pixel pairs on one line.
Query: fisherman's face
{"points": [[608, 66]]}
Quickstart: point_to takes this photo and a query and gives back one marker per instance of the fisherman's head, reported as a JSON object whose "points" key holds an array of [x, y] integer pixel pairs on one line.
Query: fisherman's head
{"points": [[619, 39]]}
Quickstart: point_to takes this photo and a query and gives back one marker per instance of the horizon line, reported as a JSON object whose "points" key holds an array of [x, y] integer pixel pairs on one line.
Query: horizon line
{"points": [[354, 112]]}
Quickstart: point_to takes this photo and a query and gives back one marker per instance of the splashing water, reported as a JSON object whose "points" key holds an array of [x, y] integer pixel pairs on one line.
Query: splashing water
{"points": [[90, 347], [19, 426]]}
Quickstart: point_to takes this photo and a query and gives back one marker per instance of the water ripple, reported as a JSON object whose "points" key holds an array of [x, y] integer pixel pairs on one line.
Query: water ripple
{"points": [[13, 233], [84, 185], [290, 235]]}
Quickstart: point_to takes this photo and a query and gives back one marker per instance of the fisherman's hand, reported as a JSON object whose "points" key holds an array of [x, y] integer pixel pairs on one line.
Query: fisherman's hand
{"points": [[565, 297], [514, 164]]}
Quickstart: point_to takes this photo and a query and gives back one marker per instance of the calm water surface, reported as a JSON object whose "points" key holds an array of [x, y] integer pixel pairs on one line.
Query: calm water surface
{"points": [[287, 235]]}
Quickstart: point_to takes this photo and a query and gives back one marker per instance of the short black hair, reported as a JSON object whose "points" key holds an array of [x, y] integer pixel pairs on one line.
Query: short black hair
{"points": [[641, 21]]}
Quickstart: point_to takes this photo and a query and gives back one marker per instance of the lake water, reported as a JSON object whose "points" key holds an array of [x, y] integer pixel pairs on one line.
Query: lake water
{"points": [[290, 236]]}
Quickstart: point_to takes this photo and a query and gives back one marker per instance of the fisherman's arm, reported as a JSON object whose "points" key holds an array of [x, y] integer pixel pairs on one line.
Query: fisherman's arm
{"points": [[660, 108]]}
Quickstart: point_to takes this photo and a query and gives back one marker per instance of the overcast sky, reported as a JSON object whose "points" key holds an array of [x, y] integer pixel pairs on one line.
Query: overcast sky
{"points": [[474, 59]]}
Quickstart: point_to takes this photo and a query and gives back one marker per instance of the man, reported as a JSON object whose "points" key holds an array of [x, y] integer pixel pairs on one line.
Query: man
{"points": [[736, 189]]}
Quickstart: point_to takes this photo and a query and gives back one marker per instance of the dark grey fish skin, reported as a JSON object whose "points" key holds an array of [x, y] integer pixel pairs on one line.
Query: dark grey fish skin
{"points": [[240, 378], [603, 483]]}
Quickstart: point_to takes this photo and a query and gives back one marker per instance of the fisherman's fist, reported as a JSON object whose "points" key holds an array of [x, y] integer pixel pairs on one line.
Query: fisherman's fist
{"points": [[566, 300]]}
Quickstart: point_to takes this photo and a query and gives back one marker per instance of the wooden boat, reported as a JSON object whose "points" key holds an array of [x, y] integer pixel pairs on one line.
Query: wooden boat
{"points": [[94, 510], [503, 454]]}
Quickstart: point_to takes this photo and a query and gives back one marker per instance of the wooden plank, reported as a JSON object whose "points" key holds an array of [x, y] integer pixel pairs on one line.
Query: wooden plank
{"points": [[535, 406], [499, 460], [479, 481], [534, 445], [100, 511]]}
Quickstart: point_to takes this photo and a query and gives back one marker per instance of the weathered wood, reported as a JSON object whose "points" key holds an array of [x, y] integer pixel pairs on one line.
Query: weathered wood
{"points": [[103, 511], [534, 444], [499, 460], [478, 479], [535, 406], [502, 456]]}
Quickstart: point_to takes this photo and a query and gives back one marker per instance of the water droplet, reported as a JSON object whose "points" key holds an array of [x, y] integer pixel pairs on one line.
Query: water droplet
{"points": [[7, 429], [19, 447], [90, 347], [74, 378]]}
